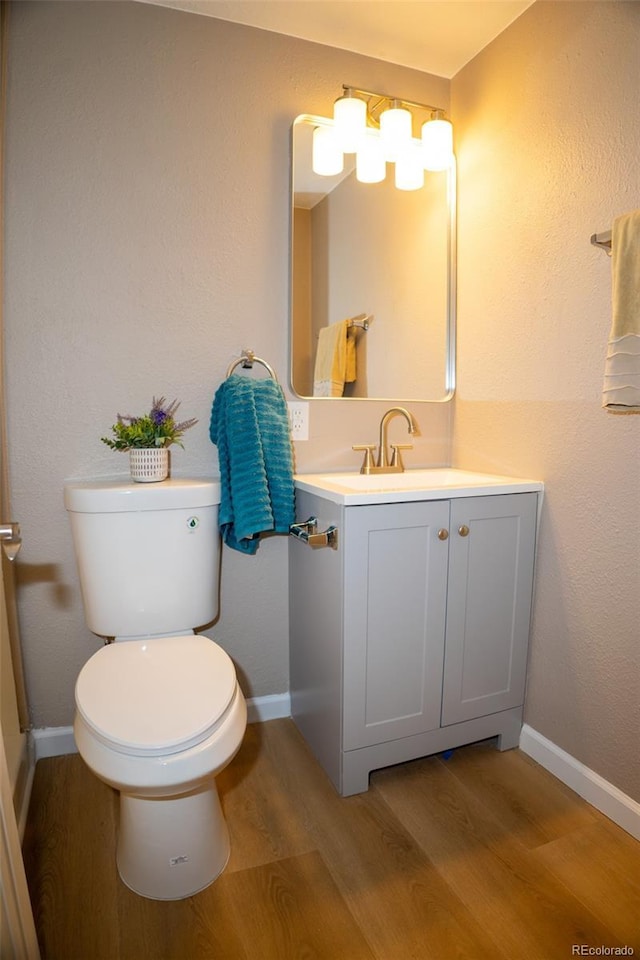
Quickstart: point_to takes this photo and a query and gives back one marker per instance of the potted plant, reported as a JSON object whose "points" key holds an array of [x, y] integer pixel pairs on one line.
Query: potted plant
{"points": [[147, 438]]}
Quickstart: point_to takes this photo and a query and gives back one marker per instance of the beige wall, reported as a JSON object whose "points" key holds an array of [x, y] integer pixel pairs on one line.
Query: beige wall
{"points": [[147, 244], [548, 139]]}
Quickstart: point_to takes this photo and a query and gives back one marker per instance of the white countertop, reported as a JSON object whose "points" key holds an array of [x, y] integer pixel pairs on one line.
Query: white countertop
{"points": [[441, 483]]}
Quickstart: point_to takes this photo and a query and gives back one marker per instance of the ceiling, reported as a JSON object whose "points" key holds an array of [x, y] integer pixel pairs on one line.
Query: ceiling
{"points": [[436, 36]]}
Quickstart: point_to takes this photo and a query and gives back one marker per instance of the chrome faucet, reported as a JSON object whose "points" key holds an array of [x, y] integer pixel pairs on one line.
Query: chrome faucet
{"points": [[382, 464]]}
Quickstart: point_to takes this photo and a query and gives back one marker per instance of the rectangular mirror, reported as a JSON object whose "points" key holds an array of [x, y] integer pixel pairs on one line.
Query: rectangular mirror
{"points": [[371, 249]]}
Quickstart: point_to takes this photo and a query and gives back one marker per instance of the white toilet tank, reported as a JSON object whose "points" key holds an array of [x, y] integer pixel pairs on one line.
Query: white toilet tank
{"points": [[148, 554]]}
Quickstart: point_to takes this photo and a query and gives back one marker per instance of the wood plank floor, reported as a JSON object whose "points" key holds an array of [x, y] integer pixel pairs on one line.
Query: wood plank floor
{"points": [[484, 856]]}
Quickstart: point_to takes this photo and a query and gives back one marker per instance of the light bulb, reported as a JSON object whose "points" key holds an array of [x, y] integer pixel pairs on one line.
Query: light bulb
{"points": [[327, 157], [371, 165], [395, 129], [437, 143], [350, 119], [410, 167]]}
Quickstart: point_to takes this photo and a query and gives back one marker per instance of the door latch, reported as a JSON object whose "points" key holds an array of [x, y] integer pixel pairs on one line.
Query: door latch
{"points": [[11, 539]]}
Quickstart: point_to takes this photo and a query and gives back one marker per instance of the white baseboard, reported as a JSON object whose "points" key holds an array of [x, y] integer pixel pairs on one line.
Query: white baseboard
{"points": [[53, 742], [593, 788], [58, 741], [272, 707]]}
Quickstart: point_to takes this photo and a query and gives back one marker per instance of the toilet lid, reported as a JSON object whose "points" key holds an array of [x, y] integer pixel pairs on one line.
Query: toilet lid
{"points": [[159, 696]]}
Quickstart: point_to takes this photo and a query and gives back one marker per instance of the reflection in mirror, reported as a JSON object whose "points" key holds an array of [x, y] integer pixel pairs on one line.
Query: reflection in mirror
{"points": [[369, 249]]}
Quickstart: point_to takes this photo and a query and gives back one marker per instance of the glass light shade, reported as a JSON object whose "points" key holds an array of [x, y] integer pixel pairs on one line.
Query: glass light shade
{"points": [[410, 167], [350, 119], [327, 158], [371, 164], [437, 144], [395, 130]]}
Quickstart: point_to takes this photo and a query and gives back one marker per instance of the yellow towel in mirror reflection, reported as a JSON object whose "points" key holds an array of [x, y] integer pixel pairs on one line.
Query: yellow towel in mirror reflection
{"points": [[335, 360]]}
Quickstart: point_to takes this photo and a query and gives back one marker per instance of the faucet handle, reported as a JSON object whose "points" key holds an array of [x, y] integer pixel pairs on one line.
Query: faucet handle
{"points": [[367, 463], [396, 456]]}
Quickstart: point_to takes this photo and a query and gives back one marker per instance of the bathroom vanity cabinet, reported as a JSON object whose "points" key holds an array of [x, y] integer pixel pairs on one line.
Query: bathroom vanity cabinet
{"points": [[411, 637]]}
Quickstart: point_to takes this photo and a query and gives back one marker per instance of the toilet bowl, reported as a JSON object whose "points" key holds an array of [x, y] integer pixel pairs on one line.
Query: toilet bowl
{"points": [[158, 720], [157, 716]]}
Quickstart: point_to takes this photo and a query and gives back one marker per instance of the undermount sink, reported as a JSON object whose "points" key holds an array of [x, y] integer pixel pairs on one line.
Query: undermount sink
{"points": [[428, 484]]}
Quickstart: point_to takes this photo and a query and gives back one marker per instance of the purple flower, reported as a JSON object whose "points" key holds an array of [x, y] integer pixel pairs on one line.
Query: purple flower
{"points": [[158, 412], [157, 428]]}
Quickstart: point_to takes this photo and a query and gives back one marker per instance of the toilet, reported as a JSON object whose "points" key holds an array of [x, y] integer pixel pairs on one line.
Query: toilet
{"points": [[159, 712]]}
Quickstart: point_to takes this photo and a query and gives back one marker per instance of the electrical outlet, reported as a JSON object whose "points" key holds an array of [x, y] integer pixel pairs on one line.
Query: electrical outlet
{"points": [[299, 419]]}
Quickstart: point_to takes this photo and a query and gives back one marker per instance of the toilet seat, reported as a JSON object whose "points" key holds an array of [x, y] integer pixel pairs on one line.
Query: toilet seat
{"points": [[152, 697]]}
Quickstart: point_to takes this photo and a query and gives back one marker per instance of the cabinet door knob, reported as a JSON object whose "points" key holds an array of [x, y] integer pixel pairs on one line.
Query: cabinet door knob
{"points": [[463, 530], [443, 534]]}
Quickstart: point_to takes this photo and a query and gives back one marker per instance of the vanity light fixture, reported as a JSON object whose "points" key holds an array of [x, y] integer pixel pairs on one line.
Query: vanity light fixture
{"points": [[410, 167], [396, 125], [379, 130], [371, 161], [437, 142], [350, 119], [327, 152]]}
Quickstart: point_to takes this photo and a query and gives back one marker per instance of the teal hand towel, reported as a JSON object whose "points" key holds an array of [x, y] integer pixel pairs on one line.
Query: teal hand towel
{"points": [[250, 427]]}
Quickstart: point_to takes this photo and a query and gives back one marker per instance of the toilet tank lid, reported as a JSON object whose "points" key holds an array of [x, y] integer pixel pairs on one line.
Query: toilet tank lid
{"points": [[123, 495]]}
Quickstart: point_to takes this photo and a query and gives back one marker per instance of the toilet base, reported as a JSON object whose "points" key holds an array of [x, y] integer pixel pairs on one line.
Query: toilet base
{"points": [[169, 849]]}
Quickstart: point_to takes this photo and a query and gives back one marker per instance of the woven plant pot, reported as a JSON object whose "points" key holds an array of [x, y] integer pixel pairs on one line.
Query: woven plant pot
{"points": [[149, 465]]}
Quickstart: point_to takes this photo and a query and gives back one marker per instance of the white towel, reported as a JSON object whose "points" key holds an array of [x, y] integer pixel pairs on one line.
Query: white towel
{"points": [[621, 389]]}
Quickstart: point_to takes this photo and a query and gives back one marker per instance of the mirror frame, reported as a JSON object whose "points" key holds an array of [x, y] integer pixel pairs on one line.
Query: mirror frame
{"points": [[452, 250]]}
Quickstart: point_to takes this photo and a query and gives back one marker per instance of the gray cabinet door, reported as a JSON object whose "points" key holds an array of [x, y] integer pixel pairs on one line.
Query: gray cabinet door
{"points": [[491, 557], [394, 615]]}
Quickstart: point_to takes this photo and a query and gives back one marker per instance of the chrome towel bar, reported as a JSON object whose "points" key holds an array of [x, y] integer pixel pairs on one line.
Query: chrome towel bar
{"points": [[307, 531]]}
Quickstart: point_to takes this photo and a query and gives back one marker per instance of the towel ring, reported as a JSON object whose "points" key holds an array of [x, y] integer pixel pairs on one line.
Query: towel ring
{"points": [[247, 360]]}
